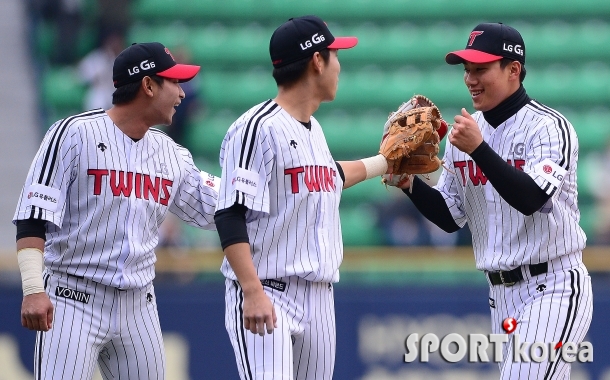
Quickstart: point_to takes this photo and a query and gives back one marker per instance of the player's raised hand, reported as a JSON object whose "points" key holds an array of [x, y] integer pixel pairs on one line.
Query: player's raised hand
{"points": [[259, 313], [37, 312], [465, 134]]}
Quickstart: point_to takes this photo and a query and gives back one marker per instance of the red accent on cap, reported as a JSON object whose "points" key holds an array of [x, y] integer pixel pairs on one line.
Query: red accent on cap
{"points": [[470, 55], [343, 43], [182, 73]]}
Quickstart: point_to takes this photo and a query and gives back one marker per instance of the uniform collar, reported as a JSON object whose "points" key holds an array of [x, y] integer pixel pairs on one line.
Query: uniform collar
{"points": [[510, 106]]}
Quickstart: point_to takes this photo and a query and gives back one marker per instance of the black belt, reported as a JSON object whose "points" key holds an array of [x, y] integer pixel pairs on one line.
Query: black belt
{"points": [[511, 277]]}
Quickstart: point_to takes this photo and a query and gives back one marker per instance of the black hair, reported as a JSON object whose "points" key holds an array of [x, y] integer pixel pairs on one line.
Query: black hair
{"points": [[292, 72], [128, 92], [506, 61]]}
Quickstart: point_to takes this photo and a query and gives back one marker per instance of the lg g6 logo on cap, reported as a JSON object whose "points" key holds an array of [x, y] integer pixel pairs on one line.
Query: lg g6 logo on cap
{"points": [[144, 65], [315, 39], [517, 49]]}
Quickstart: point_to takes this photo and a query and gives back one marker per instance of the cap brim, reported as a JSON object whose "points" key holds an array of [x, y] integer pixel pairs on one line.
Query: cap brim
{"points": [[470, 55], [183, 73], [343, 43]]}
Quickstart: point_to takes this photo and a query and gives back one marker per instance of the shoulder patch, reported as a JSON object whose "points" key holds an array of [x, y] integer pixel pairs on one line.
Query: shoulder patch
{"points": [[43, 196], [245, 181], [210, 180], [550, 171]]}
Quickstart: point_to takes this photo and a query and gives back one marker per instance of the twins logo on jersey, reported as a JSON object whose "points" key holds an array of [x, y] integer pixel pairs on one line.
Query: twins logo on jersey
{"points": [[316, 178], [121, 183], [476, 174]]}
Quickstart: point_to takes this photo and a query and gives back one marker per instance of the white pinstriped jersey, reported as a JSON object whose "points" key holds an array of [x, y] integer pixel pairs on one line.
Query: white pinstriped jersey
{"points": [[286, 177], [106, 195], [543, 143]]}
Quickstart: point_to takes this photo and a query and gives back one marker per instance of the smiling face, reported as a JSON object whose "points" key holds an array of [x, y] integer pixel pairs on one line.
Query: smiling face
{"points": [[489, 84], [167, 97]]}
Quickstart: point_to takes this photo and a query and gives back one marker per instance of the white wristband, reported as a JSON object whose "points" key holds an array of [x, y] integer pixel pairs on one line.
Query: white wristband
{"points": [[30, 265], [375, 166]]}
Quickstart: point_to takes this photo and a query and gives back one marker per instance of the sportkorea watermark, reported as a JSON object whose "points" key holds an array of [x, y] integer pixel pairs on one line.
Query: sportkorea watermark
{"points": [[475, 349]]}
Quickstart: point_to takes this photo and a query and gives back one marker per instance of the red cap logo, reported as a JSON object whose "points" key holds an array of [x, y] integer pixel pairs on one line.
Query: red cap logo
{"points": [[170, 54], [473, 35], [209, 183], [547, 169]]}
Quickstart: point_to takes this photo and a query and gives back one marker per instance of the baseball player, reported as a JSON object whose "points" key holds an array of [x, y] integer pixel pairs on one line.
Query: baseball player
{"points": [[96, 193], [278, 213], [513, 180]]}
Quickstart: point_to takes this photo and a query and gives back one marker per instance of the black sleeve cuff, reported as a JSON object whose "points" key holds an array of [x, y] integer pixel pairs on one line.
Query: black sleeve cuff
{"points": [[32, 228], [340, 169], [432, 205], [231, 225]]}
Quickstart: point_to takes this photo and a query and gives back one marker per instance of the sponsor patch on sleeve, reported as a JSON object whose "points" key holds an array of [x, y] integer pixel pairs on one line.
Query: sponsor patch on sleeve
{"points": [[245, 181], [550, 171], [43, 196], [210, 180]]}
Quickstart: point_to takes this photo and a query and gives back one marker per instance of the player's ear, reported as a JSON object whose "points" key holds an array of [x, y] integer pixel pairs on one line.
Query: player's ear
{"points": [[147, 86], [515, 70], [317, 62]]}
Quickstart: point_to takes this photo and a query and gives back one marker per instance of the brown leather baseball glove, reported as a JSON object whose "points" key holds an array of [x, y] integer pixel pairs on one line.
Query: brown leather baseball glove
{"points": [[411, 139]]}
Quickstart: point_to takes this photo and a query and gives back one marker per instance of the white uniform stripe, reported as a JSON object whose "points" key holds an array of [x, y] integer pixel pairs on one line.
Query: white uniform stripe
{"points": [[40, 338], [102, 175], [565, 133], [293, 219], [507, 238], [54, 146], [551, 307], [240, 331], [302, 347], [570, 318], [562, 124], [251, 135], [249, 138]]}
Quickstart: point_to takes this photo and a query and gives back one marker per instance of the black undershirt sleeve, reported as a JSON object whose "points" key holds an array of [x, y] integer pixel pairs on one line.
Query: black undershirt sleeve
{"points": [[516, 187], [31, 228], [340, 169], [431, 204], [231, 225]]}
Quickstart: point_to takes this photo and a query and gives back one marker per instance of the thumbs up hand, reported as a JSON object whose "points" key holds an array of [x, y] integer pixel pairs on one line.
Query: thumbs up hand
{"points": [[465, 134]]}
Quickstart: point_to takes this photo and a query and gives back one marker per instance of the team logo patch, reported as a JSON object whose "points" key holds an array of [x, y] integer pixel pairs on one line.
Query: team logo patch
{"points": [[210, 180], [274, 284], [72, 294], [551, 172]]}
